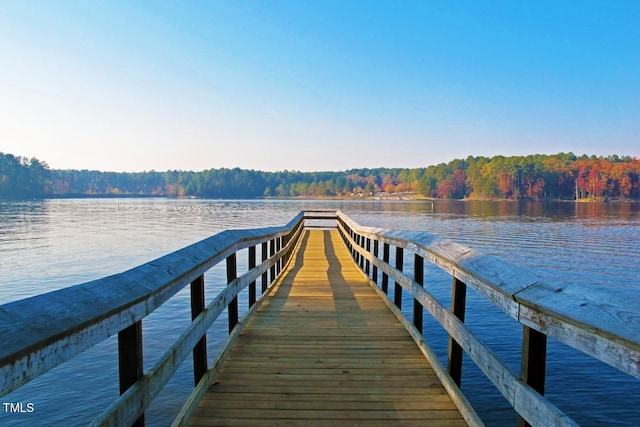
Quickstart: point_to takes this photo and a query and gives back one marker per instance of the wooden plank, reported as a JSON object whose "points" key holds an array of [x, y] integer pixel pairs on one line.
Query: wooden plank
{"points": [[329, 414], [601, 324], [325, 348], [249, 422], [232, 402], [337, 396]]}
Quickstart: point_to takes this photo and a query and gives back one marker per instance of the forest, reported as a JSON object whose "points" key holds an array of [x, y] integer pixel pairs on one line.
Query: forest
{"points": [[21, 177], [533, 177]]}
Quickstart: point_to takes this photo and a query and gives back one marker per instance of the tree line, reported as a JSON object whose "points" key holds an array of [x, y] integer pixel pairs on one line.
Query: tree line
{"points": [[534, 177], [233, 183], [21, 177]]}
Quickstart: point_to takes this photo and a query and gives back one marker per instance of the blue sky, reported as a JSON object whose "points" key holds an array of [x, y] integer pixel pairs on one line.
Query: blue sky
{"points": [[315, 85]]}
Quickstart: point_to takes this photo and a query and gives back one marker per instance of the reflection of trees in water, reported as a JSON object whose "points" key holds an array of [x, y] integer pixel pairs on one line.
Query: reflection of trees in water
{"points": [[17, 217]]}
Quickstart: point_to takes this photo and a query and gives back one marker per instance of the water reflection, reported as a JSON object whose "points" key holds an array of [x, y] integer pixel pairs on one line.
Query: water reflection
{"points": [[17, 217], [504, 209]]}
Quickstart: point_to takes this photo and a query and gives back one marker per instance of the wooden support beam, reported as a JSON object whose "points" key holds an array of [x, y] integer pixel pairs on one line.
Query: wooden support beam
{"points": [[200, 349], [279, 263], [232, 273], [354, 253], [458, 303], [264, 255], [534, 361], [252, 285], [397, 291], [418, 277], [272, 252], [385, 276], [130, 360], [285, 241], [367, 265], [374, 274]]}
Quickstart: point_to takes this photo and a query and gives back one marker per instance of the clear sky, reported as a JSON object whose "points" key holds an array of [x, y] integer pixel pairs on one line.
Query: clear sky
{"points": [[316, 84]]}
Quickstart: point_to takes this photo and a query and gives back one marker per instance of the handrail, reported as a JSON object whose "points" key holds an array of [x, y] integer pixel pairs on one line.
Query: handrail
{"points": [[43, 331], [597, 323]]}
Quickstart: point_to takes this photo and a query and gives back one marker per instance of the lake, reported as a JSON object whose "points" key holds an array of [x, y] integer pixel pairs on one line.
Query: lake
{"points": [[51, 244]]}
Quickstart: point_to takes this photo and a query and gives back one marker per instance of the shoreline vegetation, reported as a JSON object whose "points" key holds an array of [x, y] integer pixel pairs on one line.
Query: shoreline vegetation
{"points": [[562, 176]]}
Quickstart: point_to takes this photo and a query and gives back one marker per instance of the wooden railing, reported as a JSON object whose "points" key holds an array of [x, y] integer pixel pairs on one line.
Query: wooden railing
{"points": [[597, 323], [44, 331]]}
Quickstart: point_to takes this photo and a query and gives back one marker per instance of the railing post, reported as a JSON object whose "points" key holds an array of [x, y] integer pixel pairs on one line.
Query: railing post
{"points": [[385, 276], [458, 302], [130, 360], [418, 277], [285, 241], [252, 285], [354, 236], [533, 366], [232, 273], [264, 256], [374, 274], [200, 349], [279, 263], [367, 265], [272, 252], [397, 291]]}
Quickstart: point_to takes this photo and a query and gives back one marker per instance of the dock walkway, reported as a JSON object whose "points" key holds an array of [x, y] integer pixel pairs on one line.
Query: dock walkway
{"points": [[324, 349]]}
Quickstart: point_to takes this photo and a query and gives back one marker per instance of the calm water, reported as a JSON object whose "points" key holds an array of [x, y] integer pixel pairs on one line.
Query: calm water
{"points": [[51, 244]]}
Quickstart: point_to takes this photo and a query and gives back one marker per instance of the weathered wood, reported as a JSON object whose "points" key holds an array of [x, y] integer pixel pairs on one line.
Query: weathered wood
{"points": [[43, 331], [324, 337], [418, 277], [232, 274], [130, 363], [191, 404], [279, 263], [397, 292], [272, 252], [367, 265], [535, 408], [385, 259], [126, 409], [454, 391], [252, 285], [374, 274], [599, 323], [533, 366], [603, 325], [458, 307], [200, 349], [264, 256]]}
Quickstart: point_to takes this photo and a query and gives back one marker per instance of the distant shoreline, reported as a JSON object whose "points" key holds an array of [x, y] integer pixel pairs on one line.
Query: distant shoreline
{"points": [[394, 197]]}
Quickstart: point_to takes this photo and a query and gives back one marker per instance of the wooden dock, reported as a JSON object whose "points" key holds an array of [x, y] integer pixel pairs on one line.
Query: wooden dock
{"points": [[324, 349], [322, 343]]}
